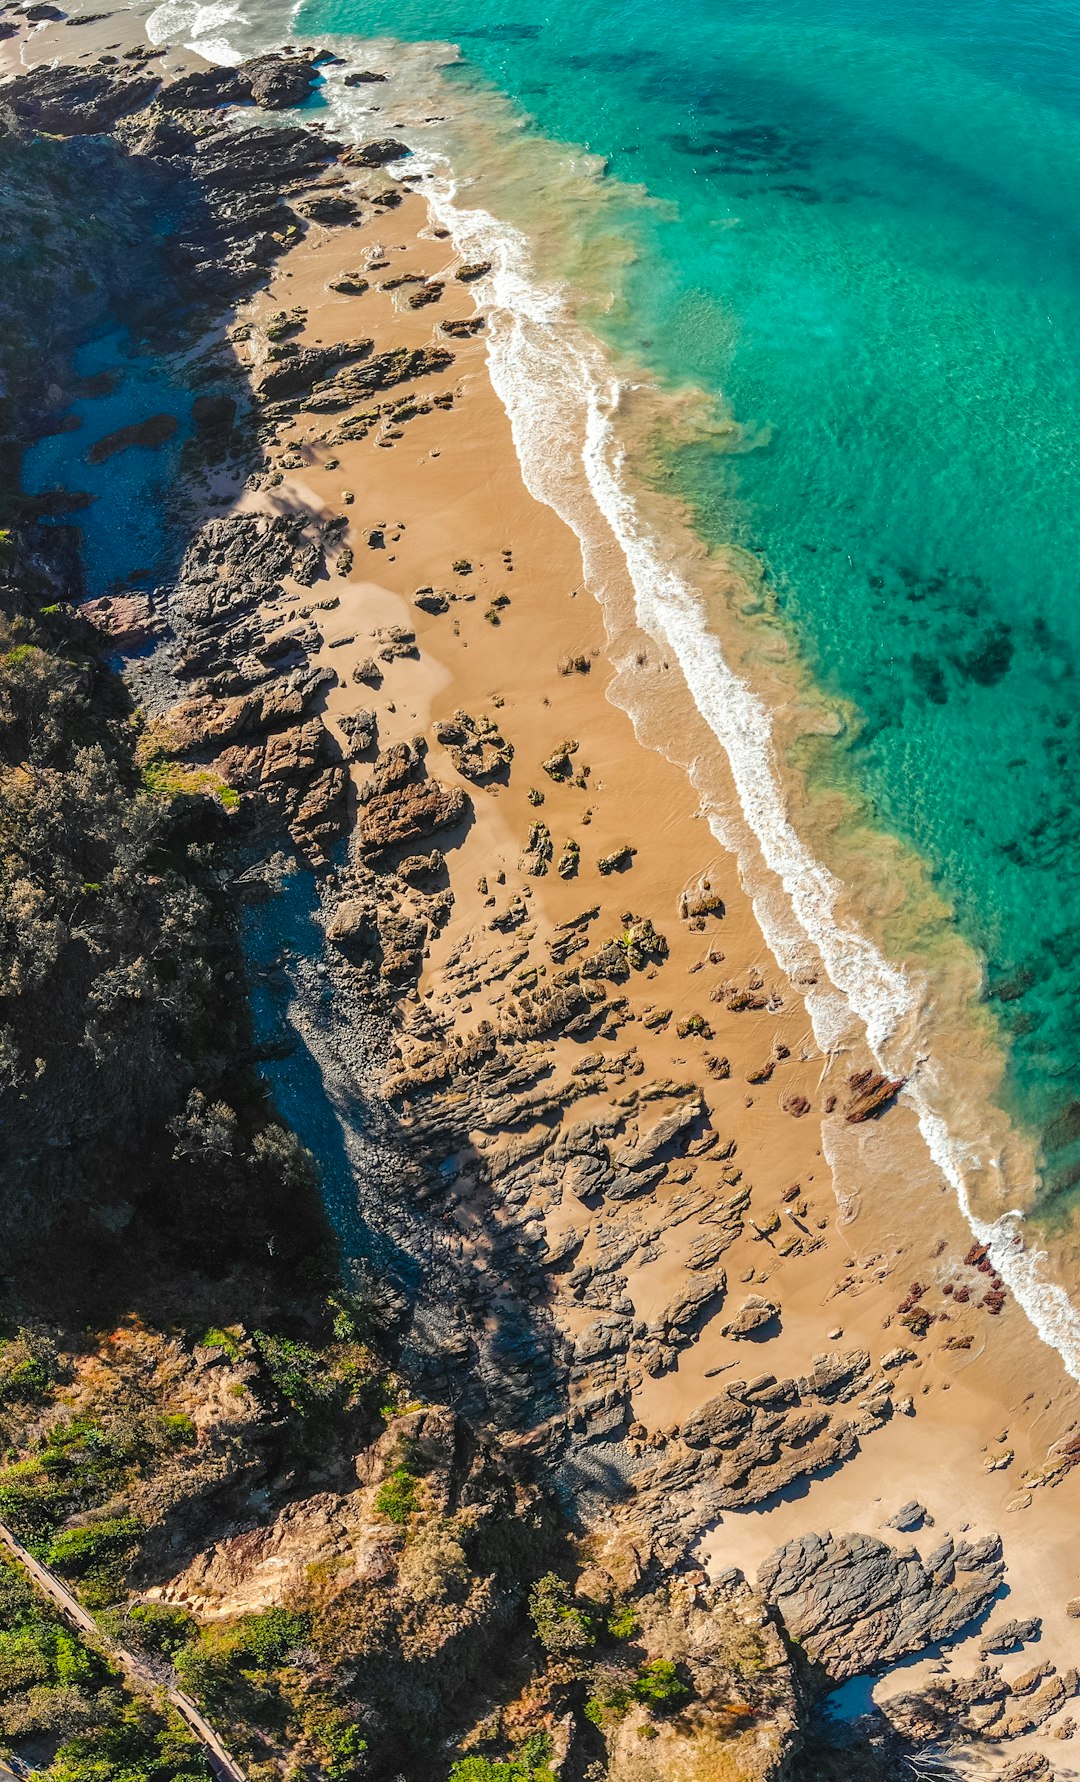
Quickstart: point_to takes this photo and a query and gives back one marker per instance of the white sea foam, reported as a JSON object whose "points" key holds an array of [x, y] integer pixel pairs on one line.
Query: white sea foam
{"points": [[562, 399], [194, 24]]}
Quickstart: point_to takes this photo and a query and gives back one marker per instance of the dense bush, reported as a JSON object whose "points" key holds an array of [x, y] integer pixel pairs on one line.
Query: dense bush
{"points": [[125, 1076], [560, 1626], [53, 1685]]}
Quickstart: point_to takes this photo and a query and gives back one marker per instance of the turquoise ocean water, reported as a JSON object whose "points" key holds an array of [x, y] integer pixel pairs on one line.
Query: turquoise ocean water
{"points": [[870, 251], [854, 230]]}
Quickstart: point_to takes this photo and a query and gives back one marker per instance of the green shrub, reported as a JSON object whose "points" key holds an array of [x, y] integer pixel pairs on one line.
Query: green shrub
{"points": [[31, 1504], [341, 1739], [622, 1623], [483, 1769], [396, 1496], [300, 1373], [269, 1637], [27, 1370], [134, 1745], [226, 1657], [179, 1431], [659, 1686], [560, 1627], [608, 1705], [93, 1544], [224, 1340], [154, 1628]]}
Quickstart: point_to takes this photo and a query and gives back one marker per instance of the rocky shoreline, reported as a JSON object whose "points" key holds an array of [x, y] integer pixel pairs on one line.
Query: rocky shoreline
{"points": [[518, 1134]]}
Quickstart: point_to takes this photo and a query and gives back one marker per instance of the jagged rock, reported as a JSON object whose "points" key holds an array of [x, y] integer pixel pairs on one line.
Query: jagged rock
{"points": [[152, 433], [475, 746], [839, 1375], [359, 729], [351, 284], [423, 869], [609, 961], [377, 154], [691, 1302], [352, 920], [1009, 1636], [77, 101], [279, 81], [396, 642], [909, 1517], [276, 82], [619, 861], [693, 904], [897, 1358], [400, 804], [302, 369], [854, 1603], [642, 942], [402, 937], [719, 1423], [656, 1139], [332, 209], [871, 1094], [126, 619], [381, 372], [544, 1010], [753, 1315], [431, 600]]}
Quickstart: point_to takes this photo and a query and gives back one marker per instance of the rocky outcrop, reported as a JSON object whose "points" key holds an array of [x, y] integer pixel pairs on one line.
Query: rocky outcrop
{"points": [[854, 1603], [127, 620], [68, 101], [400, 804], [248, 716], [757, 1437], [474, 745], [987, 1705], [870, 1095], [753, 1317], [274, 82]]}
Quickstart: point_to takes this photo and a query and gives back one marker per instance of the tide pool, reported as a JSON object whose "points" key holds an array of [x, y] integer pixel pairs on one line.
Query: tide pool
{"points": [[125, 530]]}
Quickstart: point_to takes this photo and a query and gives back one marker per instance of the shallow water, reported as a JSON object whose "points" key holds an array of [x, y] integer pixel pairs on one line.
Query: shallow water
{"points": [[125, 530]]}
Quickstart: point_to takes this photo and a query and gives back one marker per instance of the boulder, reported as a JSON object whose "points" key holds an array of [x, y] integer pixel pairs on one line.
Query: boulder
{"points": [[909, 1517], [752, 1316], [127, 620]]}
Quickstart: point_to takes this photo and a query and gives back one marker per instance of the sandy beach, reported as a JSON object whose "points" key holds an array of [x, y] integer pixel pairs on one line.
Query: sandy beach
{"points": [[443, 488], [455, 610]]}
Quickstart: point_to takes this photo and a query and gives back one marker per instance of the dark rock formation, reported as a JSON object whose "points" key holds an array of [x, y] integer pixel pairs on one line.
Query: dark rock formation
{"points": [[77, 101], [854, 1603]]}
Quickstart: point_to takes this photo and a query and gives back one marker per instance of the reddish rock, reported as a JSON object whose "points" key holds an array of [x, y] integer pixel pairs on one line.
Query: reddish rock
{"points": [[871, 1094], [408, 813], [127, 619]]}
